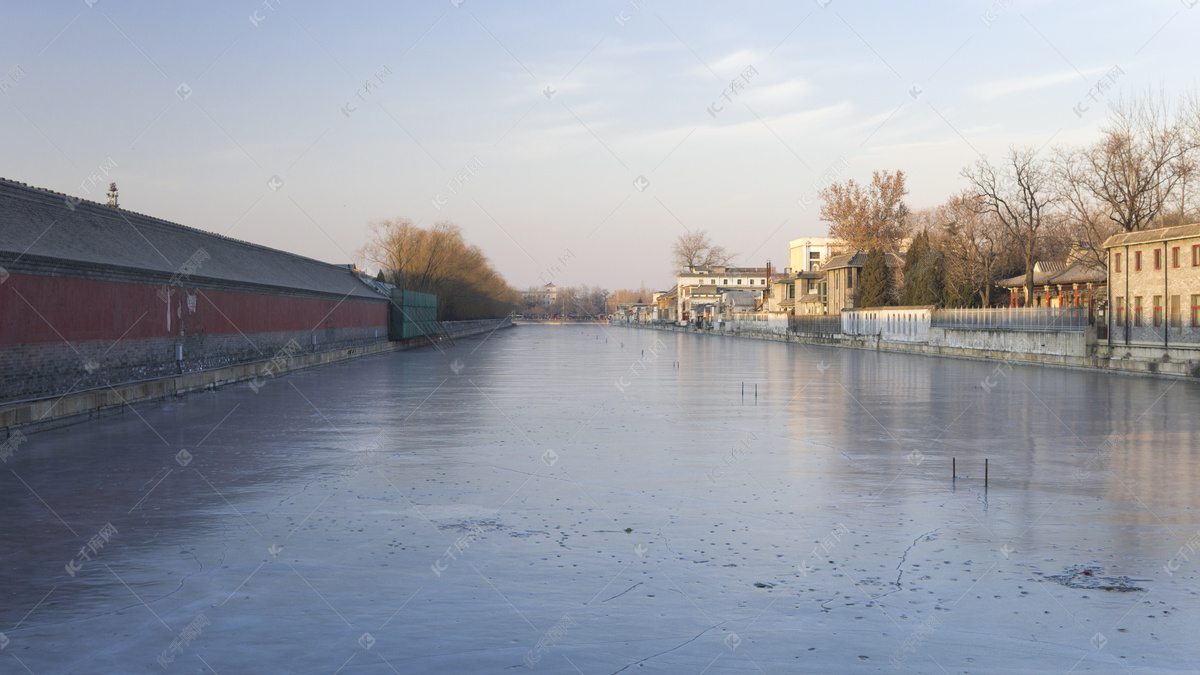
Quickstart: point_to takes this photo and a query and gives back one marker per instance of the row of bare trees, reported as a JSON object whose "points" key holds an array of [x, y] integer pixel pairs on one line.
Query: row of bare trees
{"points": [[1033, 204], [579, 301], [439, 260]]}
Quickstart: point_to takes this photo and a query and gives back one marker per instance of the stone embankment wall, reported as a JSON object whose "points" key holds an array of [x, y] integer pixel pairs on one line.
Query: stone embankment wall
{"points": [[1067, 349], [48, 413]]}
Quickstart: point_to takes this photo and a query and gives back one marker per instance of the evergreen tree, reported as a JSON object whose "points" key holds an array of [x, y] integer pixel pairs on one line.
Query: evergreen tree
{"points": [[960, 294], [916, 251], [875, 287], [926, 283]]}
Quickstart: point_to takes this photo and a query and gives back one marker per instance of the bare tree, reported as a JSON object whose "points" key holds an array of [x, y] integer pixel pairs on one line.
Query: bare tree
{"points": [[871, 216], [1144, 157], [974, 245], [627, 295], [438, 260], [1087, 223], [696, 249], [1019, 195]]}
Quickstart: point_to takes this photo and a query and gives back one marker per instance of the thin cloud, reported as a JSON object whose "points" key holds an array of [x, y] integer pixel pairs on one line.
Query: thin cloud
{"points": [[995, 89]]}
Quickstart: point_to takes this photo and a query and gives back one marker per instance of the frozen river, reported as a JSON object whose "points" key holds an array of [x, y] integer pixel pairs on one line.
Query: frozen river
{"points": [[599, 500]]}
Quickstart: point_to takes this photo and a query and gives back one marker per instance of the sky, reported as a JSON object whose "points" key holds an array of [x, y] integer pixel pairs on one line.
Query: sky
{"points": [[572, 141]]}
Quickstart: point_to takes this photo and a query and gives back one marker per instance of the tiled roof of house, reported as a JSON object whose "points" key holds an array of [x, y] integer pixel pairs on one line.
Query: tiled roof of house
{"points": [[1080, 272], [1159, 234], [1053, 272], [726, 271], [857, 259], [740, 298]]}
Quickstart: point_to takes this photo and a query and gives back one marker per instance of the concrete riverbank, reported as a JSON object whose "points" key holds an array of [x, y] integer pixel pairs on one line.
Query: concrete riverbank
{"points": [[1065, 349]]}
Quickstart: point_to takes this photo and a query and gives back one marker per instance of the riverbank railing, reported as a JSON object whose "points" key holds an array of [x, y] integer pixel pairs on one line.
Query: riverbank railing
{"points": [[456, 329], [1036, 319]]}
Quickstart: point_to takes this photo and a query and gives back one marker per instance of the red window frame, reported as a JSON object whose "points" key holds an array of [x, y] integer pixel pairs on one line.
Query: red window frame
{"points": [[1158, 311], [1158, 258], [1137, 261], [1117, 260], [1121, 310], [1175, 257], [1196, 255], [1196, 311], [1137, 310]]}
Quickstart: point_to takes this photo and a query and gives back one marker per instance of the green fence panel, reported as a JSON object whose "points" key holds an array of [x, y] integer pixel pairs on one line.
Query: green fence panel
{"points": [[411, 314]]}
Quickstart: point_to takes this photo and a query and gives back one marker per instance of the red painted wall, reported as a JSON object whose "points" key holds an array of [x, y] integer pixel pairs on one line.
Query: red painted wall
{"points": [[50, 309]]}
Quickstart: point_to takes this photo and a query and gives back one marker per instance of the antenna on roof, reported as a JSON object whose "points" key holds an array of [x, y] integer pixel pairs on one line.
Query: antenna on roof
{"points": [[112, 196]]}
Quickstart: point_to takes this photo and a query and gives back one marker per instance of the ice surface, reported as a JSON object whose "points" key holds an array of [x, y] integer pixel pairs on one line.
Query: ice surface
{"points": [[466, 511]]}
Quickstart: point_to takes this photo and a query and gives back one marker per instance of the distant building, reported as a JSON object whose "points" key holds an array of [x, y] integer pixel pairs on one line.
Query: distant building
{"points": [[544, 296], [698, 287], [1154, 286], [781, 292], [1069, 283], [807, 254], [734, 302], [702, 302], [811, 292], [633, 312], [842, 275], [665, 305]]}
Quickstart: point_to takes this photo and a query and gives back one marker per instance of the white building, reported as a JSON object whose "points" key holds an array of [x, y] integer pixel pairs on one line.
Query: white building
{"points": [[545, 296], [808, 253], [700, 286]]}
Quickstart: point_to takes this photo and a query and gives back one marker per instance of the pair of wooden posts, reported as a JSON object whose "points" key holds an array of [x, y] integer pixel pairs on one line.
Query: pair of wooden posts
{"points": [[954, 471]]}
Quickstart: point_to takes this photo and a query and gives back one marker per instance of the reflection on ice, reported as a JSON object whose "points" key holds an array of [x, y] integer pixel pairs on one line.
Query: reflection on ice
{"points": [[506, 505]]}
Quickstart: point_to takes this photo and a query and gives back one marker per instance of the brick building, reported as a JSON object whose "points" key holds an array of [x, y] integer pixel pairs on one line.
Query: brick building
{"points": [[1154, 286], [93, 296]]}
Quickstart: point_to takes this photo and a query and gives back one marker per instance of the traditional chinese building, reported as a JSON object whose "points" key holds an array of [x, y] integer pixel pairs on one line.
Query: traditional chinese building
{"points": [[93, 295], [1069, 283]]}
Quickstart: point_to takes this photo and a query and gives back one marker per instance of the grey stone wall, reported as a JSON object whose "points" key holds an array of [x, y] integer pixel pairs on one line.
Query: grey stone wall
{"points": [[51, 369]]}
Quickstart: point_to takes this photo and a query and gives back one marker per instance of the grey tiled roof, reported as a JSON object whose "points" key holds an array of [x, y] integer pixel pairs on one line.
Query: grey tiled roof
{"points": [[858, 259], [1052, 273], [1147, 236], [1080, 272], [44, 227], [855, 259]]}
